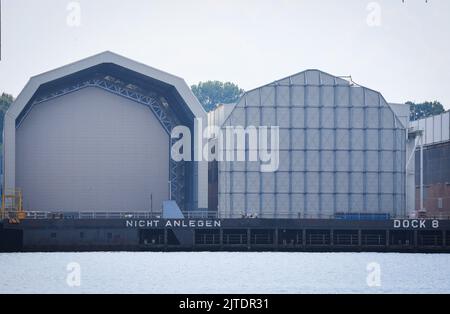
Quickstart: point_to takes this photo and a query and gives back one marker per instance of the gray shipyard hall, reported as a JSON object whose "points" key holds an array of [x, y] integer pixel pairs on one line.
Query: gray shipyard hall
{"points": [[110, 154]]}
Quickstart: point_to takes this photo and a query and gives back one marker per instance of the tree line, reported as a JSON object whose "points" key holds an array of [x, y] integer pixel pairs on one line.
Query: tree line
{"points": [[5, 101], [212, 93]]}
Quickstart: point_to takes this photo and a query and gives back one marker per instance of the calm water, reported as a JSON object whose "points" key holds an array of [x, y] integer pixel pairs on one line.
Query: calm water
{"points": [[225, 273]]}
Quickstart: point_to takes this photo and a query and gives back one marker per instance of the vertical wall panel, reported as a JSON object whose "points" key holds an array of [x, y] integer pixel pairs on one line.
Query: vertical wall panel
{"points": [[297, 205], [372, 139], [312, 180], [313, 115], [298, 158], [283, 204], [268, 182], [268, 117], [282, 96], [253, 204], [328, 160], [357, 203], [284, 161], [342, 203], [239, 204], [298, 139], [298, 96], [357, 139], [342, 96], [342, 149], [253, 116], [357, 117], [298, 182], [372, 203], [283, 117], [253, 182], [357, 96], [267, 96], [282, 182], [327, 96], [312, 204], [327, 185], [327, 139], [327, 210], [342, 161], [446, 126], [268, 205], [298, 117]]}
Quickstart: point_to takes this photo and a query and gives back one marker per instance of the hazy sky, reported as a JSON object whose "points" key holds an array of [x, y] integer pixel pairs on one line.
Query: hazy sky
{"points": [[399, 49]]}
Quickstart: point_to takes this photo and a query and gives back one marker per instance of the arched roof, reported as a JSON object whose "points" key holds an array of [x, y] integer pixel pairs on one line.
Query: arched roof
{"points": [[107, 57]]}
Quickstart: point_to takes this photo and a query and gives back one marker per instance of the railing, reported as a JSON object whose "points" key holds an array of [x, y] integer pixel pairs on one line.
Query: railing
{"points": [[92, 215], [36, 215], [200, 214]]}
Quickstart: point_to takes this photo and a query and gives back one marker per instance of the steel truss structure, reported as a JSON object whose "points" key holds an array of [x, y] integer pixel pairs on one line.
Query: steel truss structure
{"points": [[167, 119]]}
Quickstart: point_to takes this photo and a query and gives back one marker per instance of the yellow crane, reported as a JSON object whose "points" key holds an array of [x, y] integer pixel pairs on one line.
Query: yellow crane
{"points": [[12, 206]]}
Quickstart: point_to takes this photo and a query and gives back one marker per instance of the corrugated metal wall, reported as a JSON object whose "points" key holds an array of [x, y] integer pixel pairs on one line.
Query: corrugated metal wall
{"points": [[342, 149], [437, 128]]}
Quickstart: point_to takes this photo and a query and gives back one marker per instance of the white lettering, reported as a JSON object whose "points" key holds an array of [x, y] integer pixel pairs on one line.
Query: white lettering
{"points": [[435, 224], [74, 16], [270, 160], [181, 150], [374, 16], [73, 278], [374, 277]]}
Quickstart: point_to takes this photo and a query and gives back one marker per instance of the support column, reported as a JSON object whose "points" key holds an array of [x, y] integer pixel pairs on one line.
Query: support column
{"points": [[221, 238], [444, 238], [275, 238], [332, 237], [388, 240], [359, 237], [416, 238], [304, 237], [421, 173], [249, 245], [166, 242]]}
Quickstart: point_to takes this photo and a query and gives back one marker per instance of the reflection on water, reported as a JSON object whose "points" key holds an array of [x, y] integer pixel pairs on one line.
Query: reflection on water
{"points": [[224, 273]]}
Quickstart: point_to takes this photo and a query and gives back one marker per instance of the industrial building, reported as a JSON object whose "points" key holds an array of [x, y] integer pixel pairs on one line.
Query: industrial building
{"points": [[87, 161], [435, 166], [343, 150], [95, 136]]}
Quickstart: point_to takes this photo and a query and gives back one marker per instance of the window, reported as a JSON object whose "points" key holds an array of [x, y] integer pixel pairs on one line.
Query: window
{"points": [[440, 203]]}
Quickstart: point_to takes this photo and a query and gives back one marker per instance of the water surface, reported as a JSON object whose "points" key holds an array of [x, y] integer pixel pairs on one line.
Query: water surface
{"points": [[205, 273]]}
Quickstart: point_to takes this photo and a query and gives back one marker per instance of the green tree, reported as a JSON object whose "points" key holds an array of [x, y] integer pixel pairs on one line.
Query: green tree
{"points": [[212, 93], [426, 109], [5, 101]]}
